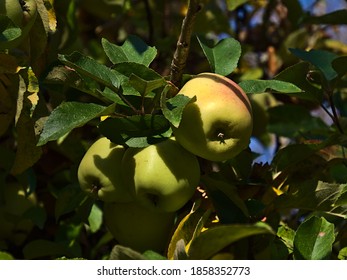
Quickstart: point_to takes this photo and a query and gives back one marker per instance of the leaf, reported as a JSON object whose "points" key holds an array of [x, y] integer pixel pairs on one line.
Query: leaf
{"points": [[27, 151], [185, 231], [321, 59], [144, 86], [91, 68], [292, 120], [68, 116], [120, 252], [133, 50], [233, 4], [68, 199], [337, 17], [260, 86], [297, 75], [343, 254], [39, 248], [173, 108], [229, 206], [95, 218], [216, 238], [9, 31], [313, 239], [136, 131], [6, 256], [224, 56]]}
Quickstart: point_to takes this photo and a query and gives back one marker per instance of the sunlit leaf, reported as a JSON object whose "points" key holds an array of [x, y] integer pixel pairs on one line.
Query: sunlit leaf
{"points": [[224, 56], [313, 239], [68, 116], [133, 50]]}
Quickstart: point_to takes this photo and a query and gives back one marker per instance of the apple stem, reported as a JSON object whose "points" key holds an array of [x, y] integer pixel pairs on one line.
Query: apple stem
{"points": [[221, 137], [182, 49]]}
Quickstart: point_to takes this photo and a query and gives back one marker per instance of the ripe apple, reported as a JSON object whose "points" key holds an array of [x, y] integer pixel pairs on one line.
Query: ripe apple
{"points": [[99, 172], [14, 227], [23, 14], [162, 176], [138, 227], [218, 125]]}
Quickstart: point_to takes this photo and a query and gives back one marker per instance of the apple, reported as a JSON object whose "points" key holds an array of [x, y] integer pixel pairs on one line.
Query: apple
{"points": [[99, 172], [13, 205], [218, 125], [138, 227], [23, 14], [163, 176]]}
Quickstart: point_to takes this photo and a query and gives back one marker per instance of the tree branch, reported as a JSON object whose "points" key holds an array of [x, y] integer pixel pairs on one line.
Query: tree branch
{"points": [[182, 49]]}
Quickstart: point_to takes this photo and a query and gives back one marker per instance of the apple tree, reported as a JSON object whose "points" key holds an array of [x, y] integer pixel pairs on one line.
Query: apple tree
{"points": [[93, 94]]}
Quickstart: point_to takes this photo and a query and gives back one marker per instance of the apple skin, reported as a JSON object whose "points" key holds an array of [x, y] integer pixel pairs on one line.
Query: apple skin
{"points": [[218, 125], [99, 172], [22, 15], [14, 227], [138, 227], [163, 176]]}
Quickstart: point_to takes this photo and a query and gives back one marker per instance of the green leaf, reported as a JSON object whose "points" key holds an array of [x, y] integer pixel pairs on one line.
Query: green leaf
{"points": [[6, 256], [313, 239], [68, 116], [287, 236], [216, 238], [125, 70], [136, 131], [143, 86], [297, 75], [95, 218], [321, 59], [343, 254], [224, 56], [260, 86], [336, 17], [40, 248], [8, 30], [173, 108], [229, 206], [120, 252], [68, 199], [91, 68], [133, 50], [233, 4], [152, 255], [293, 120]]}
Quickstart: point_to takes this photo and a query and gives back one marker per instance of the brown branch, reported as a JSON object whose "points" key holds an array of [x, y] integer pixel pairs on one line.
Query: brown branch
{"points": [[182, 49]]}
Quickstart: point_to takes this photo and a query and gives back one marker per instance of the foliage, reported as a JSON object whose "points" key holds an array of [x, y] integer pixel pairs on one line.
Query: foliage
{"points": [[84, 72]]}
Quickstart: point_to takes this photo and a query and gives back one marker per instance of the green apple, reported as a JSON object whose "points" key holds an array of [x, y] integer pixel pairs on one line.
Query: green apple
{"points": [[218, 125], [23, 14], [163, 176], [14, 227], [99, 172], [138, 227]]}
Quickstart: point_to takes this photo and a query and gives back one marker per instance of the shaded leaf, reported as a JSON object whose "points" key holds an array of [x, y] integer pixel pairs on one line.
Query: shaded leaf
{"points": [[6, 256], [91, 68], [173, 108], [321, 59], [136, 131], [216, 238], [143, 86], [68, 116], [292, 120], [336, 17], [120, 252], [224, 56], [297, 75], [133, 50], [233, 4], [313, 239]]}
